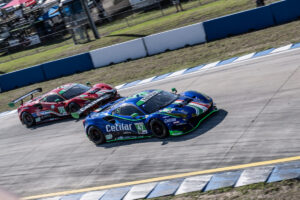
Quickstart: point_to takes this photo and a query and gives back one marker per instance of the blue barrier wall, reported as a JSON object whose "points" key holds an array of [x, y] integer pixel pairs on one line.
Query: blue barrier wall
{"points": [[68, 66], [238, 23], [21, 78], [285, 11]]}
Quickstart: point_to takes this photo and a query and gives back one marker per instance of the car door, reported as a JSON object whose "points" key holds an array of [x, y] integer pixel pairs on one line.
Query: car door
{"points": [[127, 125], [54, 105]]}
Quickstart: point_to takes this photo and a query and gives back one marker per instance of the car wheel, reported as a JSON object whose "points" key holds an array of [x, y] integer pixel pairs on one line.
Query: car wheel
{"points": [[27, 119], [73, 107], [95, 135], [159, 129]]}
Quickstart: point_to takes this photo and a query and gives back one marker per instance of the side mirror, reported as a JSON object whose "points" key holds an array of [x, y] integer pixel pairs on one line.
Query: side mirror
{"points": [[134, 115], [174, 90], [89, 84]]}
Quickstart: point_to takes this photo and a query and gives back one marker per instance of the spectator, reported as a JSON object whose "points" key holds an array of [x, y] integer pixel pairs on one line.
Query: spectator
{"points": [[260, 3], [177, 3]]}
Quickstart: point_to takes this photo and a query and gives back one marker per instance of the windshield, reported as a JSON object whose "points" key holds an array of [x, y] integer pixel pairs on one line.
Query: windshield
{"points": [[74, 91], [159, 101]]}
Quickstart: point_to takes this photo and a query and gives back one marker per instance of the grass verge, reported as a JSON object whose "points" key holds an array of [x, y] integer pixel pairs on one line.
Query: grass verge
{"points": [[174, 60], [154, 23], [288, 189]]}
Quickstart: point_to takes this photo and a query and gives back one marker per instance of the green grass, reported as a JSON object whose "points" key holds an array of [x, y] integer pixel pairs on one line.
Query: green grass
{"points": [[209, 9], [288, 190]]}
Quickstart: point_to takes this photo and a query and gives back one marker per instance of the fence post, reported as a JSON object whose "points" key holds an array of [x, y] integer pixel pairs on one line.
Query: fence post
{"points": [[161, 10]]}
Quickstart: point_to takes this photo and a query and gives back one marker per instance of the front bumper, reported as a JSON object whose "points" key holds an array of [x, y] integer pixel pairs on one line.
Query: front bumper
{"points": [[192, 123]]}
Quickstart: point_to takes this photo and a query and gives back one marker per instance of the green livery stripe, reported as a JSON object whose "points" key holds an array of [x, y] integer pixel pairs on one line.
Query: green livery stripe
{"points": [[200, 121], [175, 133], [139, 103], [133, 120], [170, 115], [172, 133], [139, 137]]}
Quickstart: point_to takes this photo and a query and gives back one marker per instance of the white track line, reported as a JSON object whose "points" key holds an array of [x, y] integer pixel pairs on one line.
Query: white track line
{"points": [[210, 65], [177, 73], [245, 57], [284, 48]]}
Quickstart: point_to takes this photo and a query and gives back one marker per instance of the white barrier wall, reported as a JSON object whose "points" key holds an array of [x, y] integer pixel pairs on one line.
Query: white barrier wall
{"points": [[175, 39], [117, 53]]}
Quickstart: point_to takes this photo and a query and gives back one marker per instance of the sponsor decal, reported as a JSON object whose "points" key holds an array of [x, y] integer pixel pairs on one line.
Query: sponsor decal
{"points": [[141, 128], [168, 110], [99, 93], [62, 110], [52, 107], [118, 127], [148, 97], [38, 119], [170, 120], [90, 105], [126, 137], [109, 136], [38, 113], [199, 108], [178, 101]]}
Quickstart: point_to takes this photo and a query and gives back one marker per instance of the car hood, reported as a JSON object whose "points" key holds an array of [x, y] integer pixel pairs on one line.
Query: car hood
{"points": [[186, 107]]}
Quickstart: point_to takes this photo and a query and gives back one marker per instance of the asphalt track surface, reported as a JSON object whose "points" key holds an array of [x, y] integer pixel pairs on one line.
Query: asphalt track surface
{"points": [[258, 121]]}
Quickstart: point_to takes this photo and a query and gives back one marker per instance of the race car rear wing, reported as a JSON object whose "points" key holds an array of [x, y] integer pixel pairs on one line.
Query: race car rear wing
{"points": [[12, 103], [105, 96]]}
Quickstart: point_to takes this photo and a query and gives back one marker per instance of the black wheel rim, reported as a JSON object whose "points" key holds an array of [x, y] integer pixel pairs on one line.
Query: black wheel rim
{"points": [[94, 134], [28, 120], [157, 129], [74, 108]]}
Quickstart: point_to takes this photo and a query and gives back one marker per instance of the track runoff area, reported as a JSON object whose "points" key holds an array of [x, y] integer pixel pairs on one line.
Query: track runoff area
{"points": [[258, 122]]}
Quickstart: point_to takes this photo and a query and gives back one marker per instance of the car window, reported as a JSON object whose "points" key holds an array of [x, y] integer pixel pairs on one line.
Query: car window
{"points": [[127, 110], [74, 91], [52, 98], [158, 101]]}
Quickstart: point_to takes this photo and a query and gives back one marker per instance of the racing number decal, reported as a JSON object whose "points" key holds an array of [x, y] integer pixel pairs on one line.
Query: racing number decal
{"points": [[62, 110], [140, 127]]}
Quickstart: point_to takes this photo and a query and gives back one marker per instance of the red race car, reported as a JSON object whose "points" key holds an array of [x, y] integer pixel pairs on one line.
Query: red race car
{"points": [[62, 101]]}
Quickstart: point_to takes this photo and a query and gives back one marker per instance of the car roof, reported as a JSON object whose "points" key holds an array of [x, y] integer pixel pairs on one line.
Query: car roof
{"points": [[138, 97], [57, 90], [63, 88], [133, 100]]}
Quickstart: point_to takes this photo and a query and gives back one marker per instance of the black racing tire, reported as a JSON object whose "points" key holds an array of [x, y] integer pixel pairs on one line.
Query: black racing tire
{"points": [[27, 119], [73, 107], [95, 135], [158, 129]]}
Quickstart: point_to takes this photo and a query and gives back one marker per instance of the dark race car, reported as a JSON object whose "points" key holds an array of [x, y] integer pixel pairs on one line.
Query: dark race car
{"points": [[149, 113], [62, 101]]}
